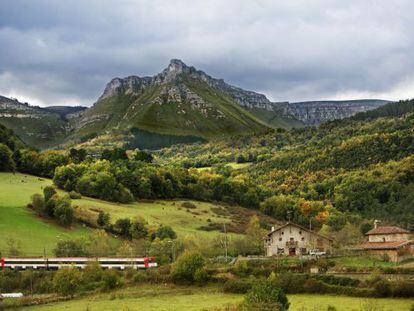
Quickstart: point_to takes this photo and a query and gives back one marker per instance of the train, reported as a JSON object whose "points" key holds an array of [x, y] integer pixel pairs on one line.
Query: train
{"points": [[55, 263]]}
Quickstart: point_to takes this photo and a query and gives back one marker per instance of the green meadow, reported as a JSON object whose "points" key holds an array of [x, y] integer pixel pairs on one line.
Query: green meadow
{"points": [[18, 223], [171, 298], [36, 235]]}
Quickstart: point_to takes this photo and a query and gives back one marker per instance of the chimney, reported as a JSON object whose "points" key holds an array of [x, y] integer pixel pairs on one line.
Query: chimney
{"points": [[376, 222], [273, 228]]}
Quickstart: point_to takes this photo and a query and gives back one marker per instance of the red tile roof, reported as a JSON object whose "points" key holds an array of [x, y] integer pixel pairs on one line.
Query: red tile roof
{"points": [[387, 230], [382, 245]]}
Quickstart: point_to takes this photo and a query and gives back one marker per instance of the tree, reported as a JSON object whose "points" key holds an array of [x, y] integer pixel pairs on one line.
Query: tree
{"points": [[138, 229], [6, 159], [254, 235], [63, 212], [67, 281], [186, 267], [143, 156], [265, 295], [38, 203], [48, 192], [103, 219], [69, 248], [122, 226], [165, 232]]}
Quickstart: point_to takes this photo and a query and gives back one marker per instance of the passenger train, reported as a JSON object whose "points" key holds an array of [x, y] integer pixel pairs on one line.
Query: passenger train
{"points": [[54, 263]]}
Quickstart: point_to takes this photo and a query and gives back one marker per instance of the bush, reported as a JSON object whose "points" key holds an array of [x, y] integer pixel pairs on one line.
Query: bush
{"points": [[110, 279], [6, 159], [63, 212], [138, 229], [122, 227], [237, 286], [92, 272], [49, 192], [403, 289], [188, 205], [201, 276], [75, 195], [265, 295], [165, 232], [382, 288], [66, 281], [38, 203], [103, 219], [186, 266], [70, 248]]}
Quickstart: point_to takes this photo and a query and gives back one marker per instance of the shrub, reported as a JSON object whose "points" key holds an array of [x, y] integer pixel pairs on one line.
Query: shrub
{"points": [[6, 159], [201, 276], [75, 195], [265, 295], [38, 203], [70, 248], [103, 219], [110, 279], [165, 232], [48, 192], [237, 286], [66, 281], [188, 205], [382, 288], [92, 272], [186, 266], [138, 229], [403, 289], [63, 212], [122, 226]]}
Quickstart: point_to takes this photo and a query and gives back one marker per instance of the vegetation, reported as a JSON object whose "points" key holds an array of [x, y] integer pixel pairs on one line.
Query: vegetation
{"points": [[20, 228]]}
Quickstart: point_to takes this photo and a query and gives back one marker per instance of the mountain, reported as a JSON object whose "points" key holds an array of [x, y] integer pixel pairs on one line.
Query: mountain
{"points": [[34, 125], [317, 112], [181, 101], [65, 112]]}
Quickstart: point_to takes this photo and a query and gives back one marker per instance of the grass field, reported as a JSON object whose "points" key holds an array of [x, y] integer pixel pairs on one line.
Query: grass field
{"points": [[36, 234], [208, 298], [362, 262], [171, 213], [19, 223]]}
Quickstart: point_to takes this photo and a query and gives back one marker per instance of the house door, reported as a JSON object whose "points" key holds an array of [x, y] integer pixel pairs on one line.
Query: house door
{"points": [[292, 251]]}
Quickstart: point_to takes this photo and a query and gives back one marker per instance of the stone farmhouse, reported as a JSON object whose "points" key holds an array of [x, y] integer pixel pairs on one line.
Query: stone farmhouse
{"points": [[293, 240], [394, 243]]}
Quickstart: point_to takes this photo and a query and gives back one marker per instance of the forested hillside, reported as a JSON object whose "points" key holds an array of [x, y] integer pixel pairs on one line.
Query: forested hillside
{"points": [[361, 166], [353, 170]]}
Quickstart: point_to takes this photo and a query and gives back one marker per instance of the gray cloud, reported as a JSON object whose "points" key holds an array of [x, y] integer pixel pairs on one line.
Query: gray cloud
{"points": [[64, 52]]}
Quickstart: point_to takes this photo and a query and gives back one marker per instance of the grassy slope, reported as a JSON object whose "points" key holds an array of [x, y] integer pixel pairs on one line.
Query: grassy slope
{"points": [[20, 223], [160, 212], [207, 298], [42, 133], [35, 234], [274, 120]]}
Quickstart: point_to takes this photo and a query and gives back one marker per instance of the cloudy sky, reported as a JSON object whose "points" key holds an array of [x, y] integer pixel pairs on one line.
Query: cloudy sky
{"points": [[64, 52]]}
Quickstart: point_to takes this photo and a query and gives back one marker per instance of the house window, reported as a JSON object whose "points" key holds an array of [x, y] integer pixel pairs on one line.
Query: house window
{"points": [[282, 232], [291, 239], [303, 250], [280, 239], [280, 250], [383, 239], [303, 239], [300, 232]]}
